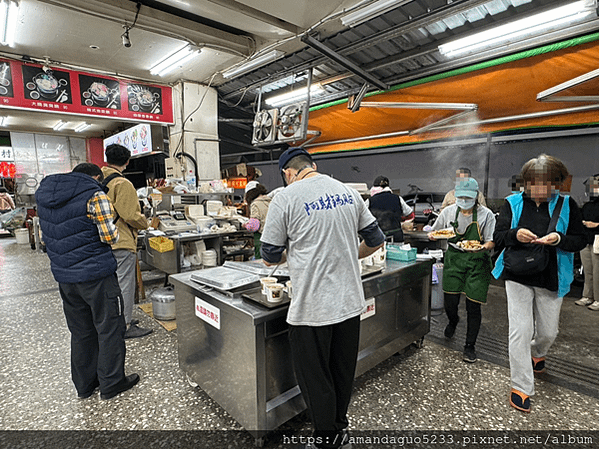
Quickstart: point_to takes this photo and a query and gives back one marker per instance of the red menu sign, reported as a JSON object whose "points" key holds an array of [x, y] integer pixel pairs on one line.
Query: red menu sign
{"points": [[28, 86]]}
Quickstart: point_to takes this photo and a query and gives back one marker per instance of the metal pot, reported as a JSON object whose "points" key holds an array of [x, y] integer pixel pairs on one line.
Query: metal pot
{"points": [[163, 303]]}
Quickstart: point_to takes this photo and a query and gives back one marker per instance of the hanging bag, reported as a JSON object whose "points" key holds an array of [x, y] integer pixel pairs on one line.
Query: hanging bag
{"points": [[530, 258], [596, 245]]}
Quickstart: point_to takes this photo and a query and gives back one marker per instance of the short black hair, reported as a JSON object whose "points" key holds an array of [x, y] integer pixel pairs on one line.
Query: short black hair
{"points": [[465, 170], [117, 154], [88, 168], [381, 181], [299, 162]]}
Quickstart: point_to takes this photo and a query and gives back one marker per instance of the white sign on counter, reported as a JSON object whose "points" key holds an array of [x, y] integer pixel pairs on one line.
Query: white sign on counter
{"points": [[208, 313], [370, 309]]}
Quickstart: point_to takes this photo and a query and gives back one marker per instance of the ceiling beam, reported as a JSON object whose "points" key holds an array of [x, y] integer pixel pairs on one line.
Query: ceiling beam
{"points": [[344, 62]]}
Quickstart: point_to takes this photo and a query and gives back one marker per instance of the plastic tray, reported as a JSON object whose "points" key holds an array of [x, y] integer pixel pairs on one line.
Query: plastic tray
{"points": [[256, 295], [224, 278]]}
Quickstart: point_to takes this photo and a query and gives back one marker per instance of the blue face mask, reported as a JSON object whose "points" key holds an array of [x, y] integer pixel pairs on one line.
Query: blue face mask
{"points": [[465, 203]]}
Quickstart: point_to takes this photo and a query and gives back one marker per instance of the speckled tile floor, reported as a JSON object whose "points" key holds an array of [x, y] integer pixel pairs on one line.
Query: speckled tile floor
{"points": [[424, 389]]}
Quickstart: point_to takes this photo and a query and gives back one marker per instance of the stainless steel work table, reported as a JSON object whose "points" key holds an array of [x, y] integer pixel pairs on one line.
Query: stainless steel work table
{"points": [[238, 352]]}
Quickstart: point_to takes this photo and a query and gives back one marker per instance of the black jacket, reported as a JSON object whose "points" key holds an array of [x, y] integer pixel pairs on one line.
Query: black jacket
{"points": [[590, 212], [536, 219]]}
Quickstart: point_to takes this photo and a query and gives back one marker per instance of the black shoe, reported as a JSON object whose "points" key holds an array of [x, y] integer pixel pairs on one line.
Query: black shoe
{"points": [[469, 354], [135, 331], [450, 330], [126, 384], [88, 393]]}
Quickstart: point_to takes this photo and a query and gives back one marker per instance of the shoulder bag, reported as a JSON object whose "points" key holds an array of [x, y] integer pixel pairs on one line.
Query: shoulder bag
{"points": [[530, 258]]}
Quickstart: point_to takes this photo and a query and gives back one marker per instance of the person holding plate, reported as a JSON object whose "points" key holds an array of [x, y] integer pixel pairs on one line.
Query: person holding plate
{"points": [[466, 271]]}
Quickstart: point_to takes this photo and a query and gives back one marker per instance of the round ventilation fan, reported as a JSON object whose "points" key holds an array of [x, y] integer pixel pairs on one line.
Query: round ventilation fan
{"points": [[263, 126], [289, 122]]}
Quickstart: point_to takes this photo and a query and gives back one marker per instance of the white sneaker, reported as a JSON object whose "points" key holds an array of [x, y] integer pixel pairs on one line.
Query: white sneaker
{"points": [[584, 302], [594, 306]]}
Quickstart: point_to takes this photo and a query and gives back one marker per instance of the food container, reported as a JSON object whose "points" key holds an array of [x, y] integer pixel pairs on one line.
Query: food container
{"points": [[403, 255], [289, 289], [266, 281], [274, 292], [22, 236], [161, 244], [163, 303], [212, 207]]}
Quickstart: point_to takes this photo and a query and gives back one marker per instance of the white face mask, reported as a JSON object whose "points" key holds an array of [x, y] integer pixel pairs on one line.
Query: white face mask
{"points": [[465, 203]]}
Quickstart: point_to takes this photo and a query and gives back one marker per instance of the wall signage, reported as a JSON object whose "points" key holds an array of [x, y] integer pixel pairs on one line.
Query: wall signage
{"points": [[28, 86]]}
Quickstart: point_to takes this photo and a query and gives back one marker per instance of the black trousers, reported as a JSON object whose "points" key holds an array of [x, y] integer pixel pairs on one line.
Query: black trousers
{"points": [[473, 311], [94, 314], [324, 358]]}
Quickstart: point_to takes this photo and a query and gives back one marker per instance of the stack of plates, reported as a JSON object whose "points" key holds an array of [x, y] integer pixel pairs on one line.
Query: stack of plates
{"points": [[209, 258]]}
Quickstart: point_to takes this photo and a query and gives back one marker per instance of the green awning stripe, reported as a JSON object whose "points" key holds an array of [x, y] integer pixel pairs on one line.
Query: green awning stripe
{"points": [[479, 66]]}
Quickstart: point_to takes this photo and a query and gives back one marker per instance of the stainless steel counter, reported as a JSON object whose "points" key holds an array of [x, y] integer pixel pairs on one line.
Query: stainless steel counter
{"points": [[238, 352]]}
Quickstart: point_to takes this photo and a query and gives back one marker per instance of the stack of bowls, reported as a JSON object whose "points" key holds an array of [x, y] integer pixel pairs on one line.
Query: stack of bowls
{"points": [[209, 258]]}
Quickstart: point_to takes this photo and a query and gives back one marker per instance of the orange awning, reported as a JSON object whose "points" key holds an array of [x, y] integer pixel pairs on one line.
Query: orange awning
{"points": [[503, 90]]}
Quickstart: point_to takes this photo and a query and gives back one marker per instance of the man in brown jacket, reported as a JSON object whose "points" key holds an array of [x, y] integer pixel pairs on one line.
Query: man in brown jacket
{"points": [[129, 220]]}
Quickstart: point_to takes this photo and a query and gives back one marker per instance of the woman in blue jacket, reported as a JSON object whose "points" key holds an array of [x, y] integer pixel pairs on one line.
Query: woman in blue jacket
{"points": [[535, 298]]}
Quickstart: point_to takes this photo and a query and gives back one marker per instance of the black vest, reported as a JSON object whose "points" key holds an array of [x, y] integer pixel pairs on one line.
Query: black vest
{"points": [[386, 208]]}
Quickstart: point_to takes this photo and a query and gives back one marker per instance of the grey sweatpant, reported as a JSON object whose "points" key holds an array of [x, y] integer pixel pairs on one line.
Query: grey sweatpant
{"points": [[126, 271], [590, 265], [533, 314]]}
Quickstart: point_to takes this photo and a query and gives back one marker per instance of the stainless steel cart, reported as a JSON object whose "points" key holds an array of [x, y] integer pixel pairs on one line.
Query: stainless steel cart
{"points": [[238, 352]]}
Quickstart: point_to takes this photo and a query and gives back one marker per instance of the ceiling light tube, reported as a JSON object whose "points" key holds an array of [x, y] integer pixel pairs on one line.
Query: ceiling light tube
{"points": [[253, 64], [294, 95], [371, 11], [59, 125], [521, 29], [82, 127], [175, 60], [9, 10]]}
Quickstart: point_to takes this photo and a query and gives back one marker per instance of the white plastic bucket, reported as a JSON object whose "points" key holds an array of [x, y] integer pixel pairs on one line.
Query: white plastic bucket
{"points": [[22, 236]]}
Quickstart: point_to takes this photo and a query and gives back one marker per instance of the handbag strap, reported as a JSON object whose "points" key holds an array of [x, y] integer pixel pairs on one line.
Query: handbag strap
{"points": [[555, 215]]}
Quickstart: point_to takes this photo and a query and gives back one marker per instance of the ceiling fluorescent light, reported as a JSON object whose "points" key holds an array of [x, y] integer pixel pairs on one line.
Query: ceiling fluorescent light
{"points": [[59, 125], [175, 60], [371, 11], [9, 10], [522, 29], [295, 95], [252, 64], [82, 127]]}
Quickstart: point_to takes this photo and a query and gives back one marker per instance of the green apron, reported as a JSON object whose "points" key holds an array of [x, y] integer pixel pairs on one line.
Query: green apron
{"points": [[467, 272]]}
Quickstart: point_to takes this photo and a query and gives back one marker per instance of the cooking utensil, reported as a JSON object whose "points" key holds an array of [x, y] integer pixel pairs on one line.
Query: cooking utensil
{"points": [[273, 271]]}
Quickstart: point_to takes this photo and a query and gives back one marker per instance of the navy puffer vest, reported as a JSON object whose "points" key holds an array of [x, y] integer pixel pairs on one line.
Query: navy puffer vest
{"points": [[76, 252], [386, 208]]}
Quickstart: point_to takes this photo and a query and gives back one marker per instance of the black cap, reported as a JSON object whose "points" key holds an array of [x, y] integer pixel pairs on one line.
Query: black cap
{"points": [[290, 154], [381, 181]]}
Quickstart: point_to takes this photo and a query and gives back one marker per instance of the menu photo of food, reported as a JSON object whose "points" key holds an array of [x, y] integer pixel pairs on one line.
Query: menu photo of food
{"points": [[142, 98], [99, 92], [48, 85], [6, 84]]}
